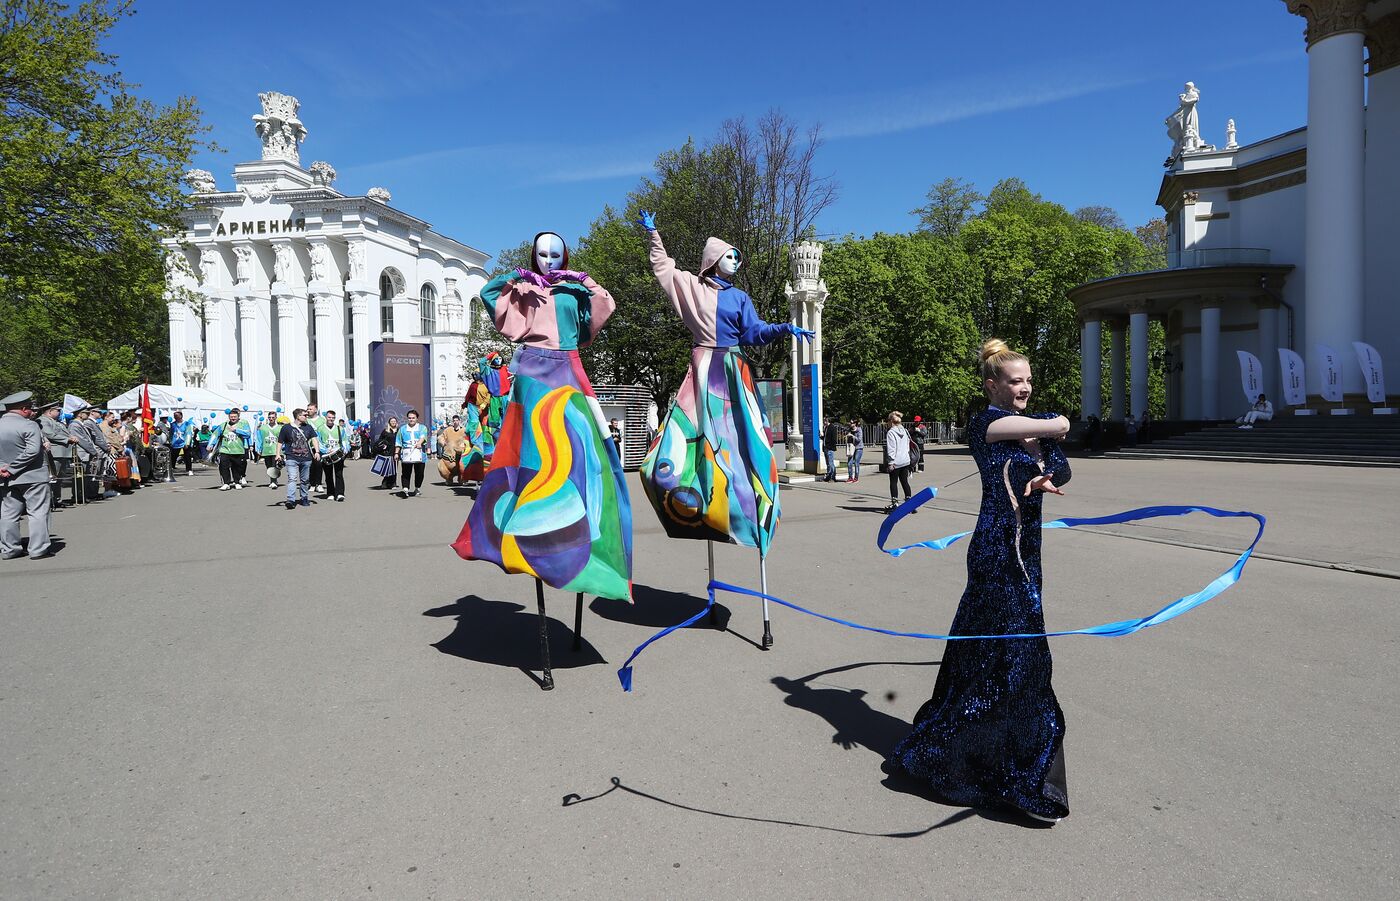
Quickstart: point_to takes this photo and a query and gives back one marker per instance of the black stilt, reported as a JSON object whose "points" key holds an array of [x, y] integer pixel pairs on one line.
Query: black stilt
{"points": [[547, 683], [763, 587], [714, 613], [578, 623]]}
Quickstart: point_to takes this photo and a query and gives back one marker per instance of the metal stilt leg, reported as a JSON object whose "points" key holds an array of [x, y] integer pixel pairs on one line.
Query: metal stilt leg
{"points": [[714, 614], [578, 623], [547, 683], [763, 587]]}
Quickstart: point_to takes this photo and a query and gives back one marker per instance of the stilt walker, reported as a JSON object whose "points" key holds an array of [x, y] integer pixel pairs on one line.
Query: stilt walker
{"points": [[710, 472], [553, 504]]}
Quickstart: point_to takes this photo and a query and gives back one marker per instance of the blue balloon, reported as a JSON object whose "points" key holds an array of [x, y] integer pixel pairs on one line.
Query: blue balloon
{"points": [[279, 409], [245, 408], [180, 399]]}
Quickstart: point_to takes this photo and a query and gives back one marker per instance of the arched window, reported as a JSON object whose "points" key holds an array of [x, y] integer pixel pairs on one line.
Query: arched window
{"points": [[386, 303], [427, 309]]}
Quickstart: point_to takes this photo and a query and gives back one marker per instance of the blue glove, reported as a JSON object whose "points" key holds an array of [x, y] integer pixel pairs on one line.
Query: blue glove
{"points": [[647, 220], [802, 333]]}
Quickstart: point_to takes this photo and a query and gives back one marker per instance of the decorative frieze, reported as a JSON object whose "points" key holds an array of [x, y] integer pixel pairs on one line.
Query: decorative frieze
{"points": [[1383, 43], [1328, 17]]}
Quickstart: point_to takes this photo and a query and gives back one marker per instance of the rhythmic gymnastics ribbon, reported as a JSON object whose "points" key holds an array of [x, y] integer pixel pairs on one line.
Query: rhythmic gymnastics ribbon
{"points": [[1106, 630]]}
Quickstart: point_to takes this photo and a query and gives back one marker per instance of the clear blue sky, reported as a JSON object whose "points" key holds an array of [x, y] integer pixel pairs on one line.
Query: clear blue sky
{"points": [[494, 119]]}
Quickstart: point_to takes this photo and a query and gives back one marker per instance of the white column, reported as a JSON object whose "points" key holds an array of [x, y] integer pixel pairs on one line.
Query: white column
{"points": [[291, 355], [330, 350], [1137, 326], [1335, 191], [1267, 351], [1115, 369], [214, 344], [406, 320], [248, 342], [360, 305], [177, 343], [1091, 369], [1210, 361]]}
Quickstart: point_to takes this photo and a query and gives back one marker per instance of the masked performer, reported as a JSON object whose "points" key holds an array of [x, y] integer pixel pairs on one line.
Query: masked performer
{"points": [[554, 503], [710, 473], [991, 734]]}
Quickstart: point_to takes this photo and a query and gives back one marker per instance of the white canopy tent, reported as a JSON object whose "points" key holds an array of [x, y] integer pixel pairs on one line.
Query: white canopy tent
{"points": [[168, 397], [250, 401]]}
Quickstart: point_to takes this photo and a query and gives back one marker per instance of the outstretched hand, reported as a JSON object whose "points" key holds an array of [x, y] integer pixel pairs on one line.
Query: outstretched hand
{"points": [[802, 333], [1042, 483], [647, 220], [532, 277], [567, 275]]}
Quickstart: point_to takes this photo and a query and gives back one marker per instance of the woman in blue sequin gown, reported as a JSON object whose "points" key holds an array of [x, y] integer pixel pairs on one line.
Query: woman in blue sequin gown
{"points": [[992, 733]]}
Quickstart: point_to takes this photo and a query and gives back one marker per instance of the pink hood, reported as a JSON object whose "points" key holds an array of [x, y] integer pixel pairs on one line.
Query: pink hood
{"points": [[714, 249]]}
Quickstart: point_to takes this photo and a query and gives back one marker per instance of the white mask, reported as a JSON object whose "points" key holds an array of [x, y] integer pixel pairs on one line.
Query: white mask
{"points": [[549, 252], [729, 263]]}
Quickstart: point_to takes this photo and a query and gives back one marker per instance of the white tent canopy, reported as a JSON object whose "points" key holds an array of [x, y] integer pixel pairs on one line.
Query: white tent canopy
{"points": [[168, 397], [251, 401]]}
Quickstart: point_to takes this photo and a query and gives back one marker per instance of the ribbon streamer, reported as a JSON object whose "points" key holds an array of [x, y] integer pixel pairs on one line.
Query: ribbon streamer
{"points": [[1107, 630]]}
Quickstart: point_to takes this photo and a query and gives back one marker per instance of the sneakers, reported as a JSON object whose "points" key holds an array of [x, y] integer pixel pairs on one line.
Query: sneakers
{"points": [[416, 492], [237, 486], [225, 487], [306, 502], [340, 498], [272, 485], [1246, 426], [241, 482], [170, 479], [290, 505]]}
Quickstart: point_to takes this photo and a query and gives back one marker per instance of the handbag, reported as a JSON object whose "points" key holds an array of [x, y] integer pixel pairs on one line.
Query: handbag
{"points": [[382, 466]]}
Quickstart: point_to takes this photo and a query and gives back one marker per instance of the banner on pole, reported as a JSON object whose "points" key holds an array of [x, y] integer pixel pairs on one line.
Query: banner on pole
{"points": [[1251, 376], [1371, 371], [1330, 376], [1295, 388]]}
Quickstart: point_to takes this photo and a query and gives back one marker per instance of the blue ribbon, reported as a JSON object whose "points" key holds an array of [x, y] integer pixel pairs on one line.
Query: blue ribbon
{"points": [[1107, 630]]}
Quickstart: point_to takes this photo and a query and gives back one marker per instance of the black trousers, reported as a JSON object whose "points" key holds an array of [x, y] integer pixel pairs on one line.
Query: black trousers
{"points": [[316, 472], [416, 469], [335, 477], [187, 453], [232, 468], [899, 477]]}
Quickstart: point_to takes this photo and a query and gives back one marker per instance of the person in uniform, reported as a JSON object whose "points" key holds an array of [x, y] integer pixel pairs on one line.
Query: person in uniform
{"points": [[24, 479], [59, 444]]}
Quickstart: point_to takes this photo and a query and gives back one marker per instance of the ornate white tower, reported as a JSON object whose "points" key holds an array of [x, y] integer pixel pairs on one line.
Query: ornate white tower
{"points": [[278, 126], [806, 295]]}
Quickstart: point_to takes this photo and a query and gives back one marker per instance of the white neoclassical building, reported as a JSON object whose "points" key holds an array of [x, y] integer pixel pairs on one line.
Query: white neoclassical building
{"points": [[280, 285], [1286, 242]]}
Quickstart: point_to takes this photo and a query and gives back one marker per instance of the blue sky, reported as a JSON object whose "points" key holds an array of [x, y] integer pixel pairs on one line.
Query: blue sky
{"points": [[494, 120]]}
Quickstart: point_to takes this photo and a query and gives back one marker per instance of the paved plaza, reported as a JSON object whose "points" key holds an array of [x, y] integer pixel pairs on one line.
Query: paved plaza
{"points": [[205, 695]]}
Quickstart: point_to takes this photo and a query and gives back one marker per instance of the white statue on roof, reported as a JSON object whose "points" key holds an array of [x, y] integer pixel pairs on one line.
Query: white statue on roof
{"points": [[1184, 125]]}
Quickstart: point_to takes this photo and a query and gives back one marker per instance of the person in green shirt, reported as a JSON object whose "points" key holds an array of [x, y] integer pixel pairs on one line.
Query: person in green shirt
{"points": [[317, 422], [334, 436], [231, 443], [268, 447]]}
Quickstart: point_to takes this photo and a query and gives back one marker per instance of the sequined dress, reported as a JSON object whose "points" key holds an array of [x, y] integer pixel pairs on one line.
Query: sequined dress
{"points": [[992, 733]]}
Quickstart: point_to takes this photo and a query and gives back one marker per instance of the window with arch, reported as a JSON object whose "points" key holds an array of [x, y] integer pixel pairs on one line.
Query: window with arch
{"points": [[386, 303], [427, 309]]}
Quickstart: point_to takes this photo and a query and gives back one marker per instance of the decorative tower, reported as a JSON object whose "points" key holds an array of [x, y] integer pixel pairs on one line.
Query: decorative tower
{"points": [[278, 126], [806, 295]]}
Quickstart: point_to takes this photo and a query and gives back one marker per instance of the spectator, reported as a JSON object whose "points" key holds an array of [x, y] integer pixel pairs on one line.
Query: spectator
{"points": [[231, 442], [299, 447], [58, 442], [24, 480], [831, 436], [1131, 426], [269, 445], [1093, 433], [855, 440], [410, 449], [898, 447], [1145, 428], [317, 422], [384, 447], [181, 434], [615, 433], [1262, 411], [334, 439], [920, 436], [103, 464], [201, 440]]}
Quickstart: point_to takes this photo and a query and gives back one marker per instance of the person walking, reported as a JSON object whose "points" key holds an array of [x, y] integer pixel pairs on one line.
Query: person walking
{"points": [[855, 440], [897, 458], [920, 436], [992, 733], [231, 441], [384, 447], [270, 448], [181, 439], [410, 449], [201, 441], [58, 443], [334, 439], [831, 436], [24, 480], [298, 447], [317, 422]]}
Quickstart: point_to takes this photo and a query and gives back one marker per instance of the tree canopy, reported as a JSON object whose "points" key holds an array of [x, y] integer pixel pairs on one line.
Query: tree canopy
{"points": [[89, 184]]}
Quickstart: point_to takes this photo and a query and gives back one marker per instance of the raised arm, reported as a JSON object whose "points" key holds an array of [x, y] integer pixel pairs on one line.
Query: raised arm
{"points": [[512, 302], [1015, 428], [753, 330]]}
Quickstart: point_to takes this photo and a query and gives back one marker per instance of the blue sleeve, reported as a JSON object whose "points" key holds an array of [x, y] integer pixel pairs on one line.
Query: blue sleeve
{"points": [[1053, 454], [492, 292], [753, 330]]}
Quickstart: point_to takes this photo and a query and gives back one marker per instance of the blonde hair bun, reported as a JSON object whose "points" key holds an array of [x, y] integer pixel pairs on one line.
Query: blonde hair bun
{"points": [[992, 347]]}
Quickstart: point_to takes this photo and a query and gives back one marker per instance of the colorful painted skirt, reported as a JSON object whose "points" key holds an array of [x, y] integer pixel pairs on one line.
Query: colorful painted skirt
{"points": [[553, 503], [711, 473]]}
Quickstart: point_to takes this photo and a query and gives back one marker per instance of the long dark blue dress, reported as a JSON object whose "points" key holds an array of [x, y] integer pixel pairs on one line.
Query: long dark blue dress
{"points": [[991, 734]]}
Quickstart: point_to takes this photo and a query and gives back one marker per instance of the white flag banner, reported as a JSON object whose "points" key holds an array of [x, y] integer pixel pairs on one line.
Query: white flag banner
{"points": [[72, 403], [1371, 371], [1330, 375], [1295, 387], [1251, 376]]}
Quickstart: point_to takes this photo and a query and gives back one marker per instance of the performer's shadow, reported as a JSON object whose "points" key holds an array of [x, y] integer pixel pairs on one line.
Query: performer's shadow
{"points": [[857, 724], [657, 608], [503, 633]]}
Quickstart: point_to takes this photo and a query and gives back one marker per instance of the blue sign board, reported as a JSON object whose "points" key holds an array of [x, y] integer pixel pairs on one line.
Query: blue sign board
{"points": [[810, 393]]}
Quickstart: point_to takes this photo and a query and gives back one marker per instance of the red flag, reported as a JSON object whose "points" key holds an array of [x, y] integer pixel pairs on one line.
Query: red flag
{"points": [[147, 418]]}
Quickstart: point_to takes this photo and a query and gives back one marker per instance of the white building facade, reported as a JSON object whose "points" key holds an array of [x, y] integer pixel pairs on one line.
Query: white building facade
{"points": [[1288, 242], [280, 285]]}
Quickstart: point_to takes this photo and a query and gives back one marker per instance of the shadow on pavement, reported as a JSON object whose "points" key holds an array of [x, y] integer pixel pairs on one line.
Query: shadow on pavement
{"points": [[657, 608], [856, 722], [503, 633]]}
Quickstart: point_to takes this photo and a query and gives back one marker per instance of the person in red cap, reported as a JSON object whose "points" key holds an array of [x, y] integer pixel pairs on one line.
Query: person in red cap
{"points": [[920, 435]]}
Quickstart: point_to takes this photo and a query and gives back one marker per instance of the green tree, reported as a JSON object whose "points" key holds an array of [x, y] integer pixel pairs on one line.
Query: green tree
{"points": [[950, 204], [89, 185]]}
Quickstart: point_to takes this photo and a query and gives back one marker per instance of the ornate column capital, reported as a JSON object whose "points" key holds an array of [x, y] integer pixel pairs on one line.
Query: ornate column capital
{"points": [[1328, 17], [1383, 43], [247, 308], [287, 305], [1139, 305], [175, 310], [1210, 301], [359, 303], [325, 303], [1190, 197]]}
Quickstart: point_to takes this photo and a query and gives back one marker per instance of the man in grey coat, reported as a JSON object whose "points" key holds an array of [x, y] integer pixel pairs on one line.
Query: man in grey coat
{"points": [[59, 443], [90, 453], [24, 479]]}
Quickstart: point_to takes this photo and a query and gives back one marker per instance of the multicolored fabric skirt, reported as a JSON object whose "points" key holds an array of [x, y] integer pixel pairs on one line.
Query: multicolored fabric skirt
{"points": [[711, 473], [554, 502]]}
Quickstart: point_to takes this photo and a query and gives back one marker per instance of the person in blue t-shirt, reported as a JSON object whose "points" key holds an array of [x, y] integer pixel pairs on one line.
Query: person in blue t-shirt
{"points": [[181, 431], [411, 449]]}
